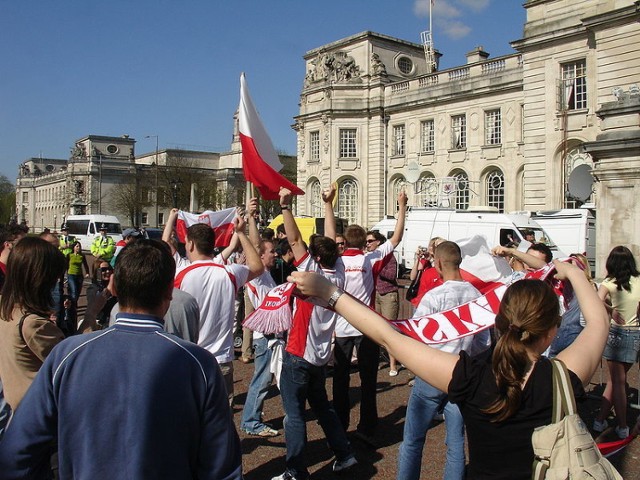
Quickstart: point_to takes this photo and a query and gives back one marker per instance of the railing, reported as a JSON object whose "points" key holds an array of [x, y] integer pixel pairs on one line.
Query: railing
{"points": [[399, 87], [459, 74]]}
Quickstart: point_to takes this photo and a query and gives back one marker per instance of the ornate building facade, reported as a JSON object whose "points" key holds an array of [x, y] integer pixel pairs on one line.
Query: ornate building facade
{"points": [[505, 132]]}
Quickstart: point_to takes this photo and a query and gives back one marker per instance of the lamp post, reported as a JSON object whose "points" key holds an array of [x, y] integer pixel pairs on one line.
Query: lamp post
{"points": [[156, 191], [175, 186]]}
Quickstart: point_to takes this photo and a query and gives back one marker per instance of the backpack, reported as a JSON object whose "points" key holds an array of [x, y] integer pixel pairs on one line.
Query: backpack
{"points": [[565, 448]]}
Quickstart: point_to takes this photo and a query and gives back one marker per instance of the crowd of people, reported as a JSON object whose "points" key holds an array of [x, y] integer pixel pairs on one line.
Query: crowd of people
{"points": [[142, 386]]}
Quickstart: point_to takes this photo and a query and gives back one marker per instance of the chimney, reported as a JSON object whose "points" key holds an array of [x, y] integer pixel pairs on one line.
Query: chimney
{"points": [[477, 55]]}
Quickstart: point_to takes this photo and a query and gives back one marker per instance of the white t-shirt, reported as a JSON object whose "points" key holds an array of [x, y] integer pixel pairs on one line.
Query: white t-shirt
{"points": [[214, 286], [257, 289], [450, 294], [313, 326], [361, 270]]}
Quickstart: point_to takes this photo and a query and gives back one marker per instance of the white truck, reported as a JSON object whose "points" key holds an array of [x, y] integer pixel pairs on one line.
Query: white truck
{"points": [[573, 230], [86, 227], [422, 224]]}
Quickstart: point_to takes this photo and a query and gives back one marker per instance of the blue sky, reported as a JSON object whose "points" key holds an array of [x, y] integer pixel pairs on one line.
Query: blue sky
{"points": [[171, 68]]}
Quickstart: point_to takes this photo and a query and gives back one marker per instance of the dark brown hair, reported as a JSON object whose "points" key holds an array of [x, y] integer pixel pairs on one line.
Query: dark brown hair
{"points": [[325, 249], [203, 237], [528, 310], [33, 269], [144, 273], [355, 237]]}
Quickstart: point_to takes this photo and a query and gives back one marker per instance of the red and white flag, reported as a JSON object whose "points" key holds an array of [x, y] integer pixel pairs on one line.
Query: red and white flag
{"points": [[221, 222], [260, 162]]}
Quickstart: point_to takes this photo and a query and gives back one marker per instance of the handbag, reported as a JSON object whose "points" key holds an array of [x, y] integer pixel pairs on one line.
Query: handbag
{"points": [[565, 449], [412, 292]]}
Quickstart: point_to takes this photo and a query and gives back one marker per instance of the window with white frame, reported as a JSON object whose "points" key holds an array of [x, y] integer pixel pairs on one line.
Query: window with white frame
{"points": [[458, 132], [348, 201], [398, 140], [427, 136], [573, 85], [462, 189], [25, 197], [494, 188], [348, 143], [399, 183], [493, 127], [314, 146], [426, 191], [315, 199]]}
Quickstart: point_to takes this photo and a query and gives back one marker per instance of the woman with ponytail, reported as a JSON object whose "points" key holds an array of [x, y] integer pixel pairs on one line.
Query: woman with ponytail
{"points": [[503, 393]]}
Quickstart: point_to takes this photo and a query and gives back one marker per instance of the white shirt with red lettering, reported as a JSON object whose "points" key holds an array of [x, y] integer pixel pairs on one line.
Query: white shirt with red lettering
{"points": [[361, 270], [214, 286], [312, 329]]}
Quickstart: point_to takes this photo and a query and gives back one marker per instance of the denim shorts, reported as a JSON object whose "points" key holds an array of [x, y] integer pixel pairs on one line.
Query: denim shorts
{"points": [[623, 344]]}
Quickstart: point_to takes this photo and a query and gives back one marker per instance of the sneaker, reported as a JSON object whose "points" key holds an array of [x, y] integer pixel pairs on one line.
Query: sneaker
{"points": [[342, 465], [622, 433], [285, 476], [599, 426], [393, 373]]}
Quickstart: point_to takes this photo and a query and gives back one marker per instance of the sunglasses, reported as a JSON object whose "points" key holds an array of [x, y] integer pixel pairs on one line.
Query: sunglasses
{"points": [[371, 240], [340, 243], [105, 269]]}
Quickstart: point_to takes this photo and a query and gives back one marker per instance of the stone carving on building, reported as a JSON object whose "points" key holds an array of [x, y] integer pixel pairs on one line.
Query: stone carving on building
{"points": [[377, 67], [332, 67], [78, 152]]}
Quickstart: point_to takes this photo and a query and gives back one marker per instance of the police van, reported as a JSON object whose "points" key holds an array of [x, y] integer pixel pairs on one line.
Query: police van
{"points": [[86, 227]]}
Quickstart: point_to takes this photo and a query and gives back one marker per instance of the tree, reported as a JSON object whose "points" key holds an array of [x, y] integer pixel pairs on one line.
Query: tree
{"points": [[130, 197], [176, 177], [7, 199]]}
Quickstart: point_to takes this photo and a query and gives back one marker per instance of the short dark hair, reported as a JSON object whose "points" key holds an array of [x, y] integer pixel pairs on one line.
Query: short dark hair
{"points": [[283, 246], [544, 249], [325, 248], [33, 269], [355, 236], [449, 253], [262, 247], [6, 235], [280, 229], [377, 235], [203, 237], [144, 272], [268, 233]]}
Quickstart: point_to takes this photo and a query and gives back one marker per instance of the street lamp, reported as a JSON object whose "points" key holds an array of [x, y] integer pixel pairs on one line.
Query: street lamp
{"points": [[156, 193], [175, 186]]}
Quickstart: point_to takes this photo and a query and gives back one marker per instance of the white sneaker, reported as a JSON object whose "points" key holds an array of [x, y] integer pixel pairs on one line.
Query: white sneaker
{"points": [[342, 465], [284, 476], [599, 426]]}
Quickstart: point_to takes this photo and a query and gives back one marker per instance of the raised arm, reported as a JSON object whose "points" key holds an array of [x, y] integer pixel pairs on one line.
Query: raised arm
{"points": [[329, 215], [584, 354], [533, 262], [398, 232], [290, 227], [168, 228], [251, 254], [431, 365]]}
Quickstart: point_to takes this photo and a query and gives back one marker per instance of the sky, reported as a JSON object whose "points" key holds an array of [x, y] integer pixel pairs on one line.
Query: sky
{"points": [[73, 68]]}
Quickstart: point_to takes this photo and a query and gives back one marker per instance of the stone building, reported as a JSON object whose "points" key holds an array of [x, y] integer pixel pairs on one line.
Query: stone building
{"points": [[506, 132]]}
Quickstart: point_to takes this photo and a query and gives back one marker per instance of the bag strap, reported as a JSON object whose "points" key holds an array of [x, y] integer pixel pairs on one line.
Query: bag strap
{"points": [[564, 402]]}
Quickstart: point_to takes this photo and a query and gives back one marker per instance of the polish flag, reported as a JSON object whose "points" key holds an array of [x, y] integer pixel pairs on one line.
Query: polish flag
{"points": [[260, 162], [221, 222]]}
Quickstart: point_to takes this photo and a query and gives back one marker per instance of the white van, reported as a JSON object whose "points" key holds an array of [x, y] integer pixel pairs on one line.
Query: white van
{"points": [[573, 230], [422, 224], [86, 227]]}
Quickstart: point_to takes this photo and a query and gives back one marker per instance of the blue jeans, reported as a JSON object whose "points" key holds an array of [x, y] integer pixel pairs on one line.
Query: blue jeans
{"points": [[75, 286], [258, 388], [300, 381], [424, 403], [569, 329]]}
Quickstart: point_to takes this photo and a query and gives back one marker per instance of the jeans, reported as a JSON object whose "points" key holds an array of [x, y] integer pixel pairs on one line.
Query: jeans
{"points": [[569, 329], [424, 403], [5, 412], [258, 388], [368, 359], [75, 286], [300, 381]]}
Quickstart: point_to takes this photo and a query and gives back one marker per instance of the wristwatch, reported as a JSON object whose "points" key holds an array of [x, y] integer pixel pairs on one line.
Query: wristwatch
{"points": [[337, 293], [284, 207]]}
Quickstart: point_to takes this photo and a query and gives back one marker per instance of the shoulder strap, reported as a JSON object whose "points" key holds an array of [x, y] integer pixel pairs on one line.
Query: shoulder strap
{"points": [[180, 277], [564, 402]]}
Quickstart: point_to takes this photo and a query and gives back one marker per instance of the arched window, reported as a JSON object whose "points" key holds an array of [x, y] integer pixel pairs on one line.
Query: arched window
{"points": [[462, 189], [494, 189], [574, 158], [315, 199], [348, 200], [397, 185], [427, 191]]}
